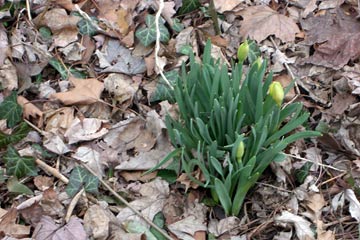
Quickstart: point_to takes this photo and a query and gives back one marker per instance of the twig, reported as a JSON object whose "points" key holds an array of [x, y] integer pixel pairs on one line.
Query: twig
{"points": [[126, 203], [157, 44], [28, 10], [319, 164], [73, 203], [51, 170]]}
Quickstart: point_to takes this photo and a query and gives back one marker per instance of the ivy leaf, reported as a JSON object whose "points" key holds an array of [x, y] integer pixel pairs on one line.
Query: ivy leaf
{"points": [[11, 110], [159, 221], [86, 27], [188, 6], [18, 165], [19, 133], [64, 71], [147, 35], [177, 26], [163, 92], [14, 186], [79, 178]]}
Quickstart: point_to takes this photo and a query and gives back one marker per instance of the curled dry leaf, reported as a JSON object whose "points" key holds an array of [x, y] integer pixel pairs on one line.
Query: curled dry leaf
{"points": [[9, 227], [85, 91], [30, 110], [302, 226], [8, 75], [261, 22], [85, 130]]}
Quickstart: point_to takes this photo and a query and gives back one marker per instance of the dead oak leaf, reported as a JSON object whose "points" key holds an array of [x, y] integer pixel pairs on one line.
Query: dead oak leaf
{"points": [[337, 36], [261, 22], [86, 91]]}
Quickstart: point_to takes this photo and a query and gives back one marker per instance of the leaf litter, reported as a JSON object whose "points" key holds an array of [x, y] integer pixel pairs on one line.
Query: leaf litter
{"points": [[85, 81]]}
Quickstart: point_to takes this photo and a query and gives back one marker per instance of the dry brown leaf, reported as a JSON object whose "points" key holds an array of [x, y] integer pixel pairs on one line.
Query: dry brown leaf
{"points": [[261, 22], [43, 182], [30, 110], [59, 120], [9, 227], [4, 45], [86, 91], [222, 6], [8, 75], [62, 25], [137, 176]]}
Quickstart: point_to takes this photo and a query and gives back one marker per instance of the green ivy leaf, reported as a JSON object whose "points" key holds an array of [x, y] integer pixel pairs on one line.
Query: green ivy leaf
{"points": [[45, 33], [18, 165], [159, 220], [19, 133], [14, 186], [147, 35], [64, 71], [163, 92], [303, 172], [11, 110], [86, 27], [177, 25], [188, 6], [79, 178]]}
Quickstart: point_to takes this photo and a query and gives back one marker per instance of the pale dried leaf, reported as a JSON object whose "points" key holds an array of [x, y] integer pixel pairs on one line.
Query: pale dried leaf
{"points": [[222, 6], [354, 207], [261, 22], [8, 74], [92, 159], [86, 91], [302, 226], [55, 144], [85, 130]]}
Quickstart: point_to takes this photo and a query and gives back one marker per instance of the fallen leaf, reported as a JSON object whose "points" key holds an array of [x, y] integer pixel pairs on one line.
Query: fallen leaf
{"points": [[85, 130], [97, 222], [59, 120], [4, 45], [261, 22], [9, 227], [48, 229], [85, 91], [116, 58], [8, 75], [302, 226], [92, 159], [222, 6], [55, 144], [62, 25], [42, 182], [337, 38], [354, 207], [30, 111], [51, 204]]}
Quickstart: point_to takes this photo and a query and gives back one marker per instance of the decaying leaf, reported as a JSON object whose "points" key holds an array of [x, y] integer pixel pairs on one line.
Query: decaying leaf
{"points": [[85, 91], [8, 224], [48, 229], [261, 22], [337, 36], [302, 226]]}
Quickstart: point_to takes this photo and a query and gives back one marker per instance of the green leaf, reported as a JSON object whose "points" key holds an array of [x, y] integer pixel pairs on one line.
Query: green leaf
{"points": [[168, 175], [64, 70], [223, 196], [87, 27], [254, 51], [188, 6], [80, 177], [147, 35], [14, 186], [159, 220], [303, 172], [19, 133], [2, 176], [11, 110], [45, 33], [177, 25], [137, 227], [163, 91], [19, 166]]}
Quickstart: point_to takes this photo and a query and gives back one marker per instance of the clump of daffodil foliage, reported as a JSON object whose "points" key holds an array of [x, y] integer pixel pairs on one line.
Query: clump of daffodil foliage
{"points": [[231, 126]]}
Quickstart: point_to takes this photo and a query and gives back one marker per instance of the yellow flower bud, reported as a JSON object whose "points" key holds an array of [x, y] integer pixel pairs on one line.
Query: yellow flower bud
{"points": [[258, 62], [240, 151], [276, 91], [243, 51]]}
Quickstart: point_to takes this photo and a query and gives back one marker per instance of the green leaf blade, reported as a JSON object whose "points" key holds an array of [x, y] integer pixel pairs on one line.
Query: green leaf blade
{"points": [[11, 110]]}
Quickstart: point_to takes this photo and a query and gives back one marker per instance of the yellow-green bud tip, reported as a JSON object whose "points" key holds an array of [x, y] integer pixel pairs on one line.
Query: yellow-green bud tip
{"points": [[258, 62], [240, 151], [276, 91], [243, 51]]}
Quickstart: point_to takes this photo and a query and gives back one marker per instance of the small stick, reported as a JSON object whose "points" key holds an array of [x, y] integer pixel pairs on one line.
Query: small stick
{"points": [[157, 44], [73, 203], [319, 164], [127, 203], [52, 171], [28, 10]]}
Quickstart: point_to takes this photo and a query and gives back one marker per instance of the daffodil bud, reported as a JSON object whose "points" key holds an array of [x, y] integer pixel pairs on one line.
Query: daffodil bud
{"points": [[276, 91], [243, 51], [240, 151], [258, 62]]}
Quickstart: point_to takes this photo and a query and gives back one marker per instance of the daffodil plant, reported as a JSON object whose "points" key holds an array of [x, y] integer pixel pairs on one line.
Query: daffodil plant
{"points": [[231, 126]]}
